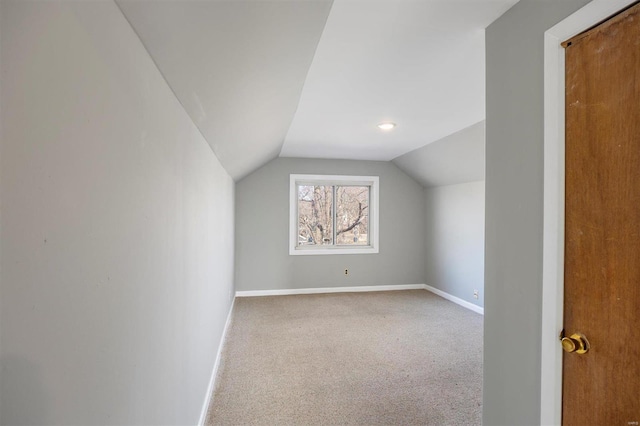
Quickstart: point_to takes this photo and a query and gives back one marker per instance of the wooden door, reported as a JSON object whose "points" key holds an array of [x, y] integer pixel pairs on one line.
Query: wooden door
{"points": [[602, 223]]}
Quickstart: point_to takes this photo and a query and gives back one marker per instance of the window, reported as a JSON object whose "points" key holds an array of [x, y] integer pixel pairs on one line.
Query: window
{"points": [[333, 215]]}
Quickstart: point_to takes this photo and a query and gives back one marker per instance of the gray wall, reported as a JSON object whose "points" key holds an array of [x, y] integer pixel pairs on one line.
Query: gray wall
{"points": [[262, 230], [116, 228], [514, 208], [455, 240]]}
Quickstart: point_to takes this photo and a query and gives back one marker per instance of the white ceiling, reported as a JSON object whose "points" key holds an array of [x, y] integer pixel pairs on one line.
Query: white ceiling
{"points": [[457, 158], [262, 78], [419, 64], [237, 67]]}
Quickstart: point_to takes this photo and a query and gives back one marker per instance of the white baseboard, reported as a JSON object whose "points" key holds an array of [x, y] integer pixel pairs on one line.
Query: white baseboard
{"points": [[454, 299], [291, 291], [214, 373]]}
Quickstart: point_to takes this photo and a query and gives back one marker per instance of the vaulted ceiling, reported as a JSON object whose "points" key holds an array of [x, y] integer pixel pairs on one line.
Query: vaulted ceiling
{"points": [[313, 78]]}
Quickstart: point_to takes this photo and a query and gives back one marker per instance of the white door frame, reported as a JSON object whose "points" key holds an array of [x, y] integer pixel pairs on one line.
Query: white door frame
{"points": [[554, 173]]}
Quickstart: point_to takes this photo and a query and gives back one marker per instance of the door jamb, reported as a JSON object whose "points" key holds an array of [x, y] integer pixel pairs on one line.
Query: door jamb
{"points": [[554, 173]]}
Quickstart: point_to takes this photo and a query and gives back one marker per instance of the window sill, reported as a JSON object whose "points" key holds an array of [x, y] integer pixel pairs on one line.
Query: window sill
{"points": [[293, 251]]}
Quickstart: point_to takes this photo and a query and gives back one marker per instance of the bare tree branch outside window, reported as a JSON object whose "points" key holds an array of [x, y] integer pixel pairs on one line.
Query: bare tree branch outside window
{"points": [[323, 209]]}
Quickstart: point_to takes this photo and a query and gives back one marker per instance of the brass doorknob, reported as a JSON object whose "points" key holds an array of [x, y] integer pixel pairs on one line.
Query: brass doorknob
{"points": [[575, 343]]}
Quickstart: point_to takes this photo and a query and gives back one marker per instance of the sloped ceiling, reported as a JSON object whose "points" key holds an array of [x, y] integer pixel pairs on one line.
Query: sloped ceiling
{"points": [[313, 78], [457, 158], [237, 67], [419, 64]]}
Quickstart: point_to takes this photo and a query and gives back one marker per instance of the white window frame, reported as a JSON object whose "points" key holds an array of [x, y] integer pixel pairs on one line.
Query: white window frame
{"points": [[336, 180]]}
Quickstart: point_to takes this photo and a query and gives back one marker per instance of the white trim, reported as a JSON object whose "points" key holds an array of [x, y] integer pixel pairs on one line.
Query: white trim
{"points": [[456, 300], [553, 232], [292, 291], [374, 214], [214, 373]]}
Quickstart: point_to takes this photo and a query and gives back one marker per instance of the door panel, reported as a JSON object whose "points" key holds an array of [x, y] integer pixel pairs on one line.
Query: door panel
{"points": [[602, 223]]}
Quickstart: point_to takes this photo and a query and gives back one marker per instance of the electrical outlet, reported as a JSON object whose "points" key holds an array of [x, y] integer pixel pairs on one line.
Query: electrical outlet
{"points": [[346, 272], [475, 294]]}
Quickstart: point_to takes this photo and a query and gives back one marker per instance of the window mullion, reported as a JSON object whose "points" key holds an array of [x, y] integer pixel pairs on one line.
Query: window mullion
{"points": [[335, 210]]}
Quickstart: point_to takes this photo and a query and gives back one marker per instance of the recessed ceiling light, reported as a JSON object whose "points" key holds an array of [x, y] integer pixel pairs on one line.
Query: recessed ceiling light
{"points": [[387, 125]]}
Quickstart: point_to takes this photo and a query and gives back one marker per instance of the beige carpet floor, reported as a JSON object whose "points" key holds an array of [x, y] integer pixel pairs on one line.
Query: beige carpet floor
{"points": [[383, 358]]}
